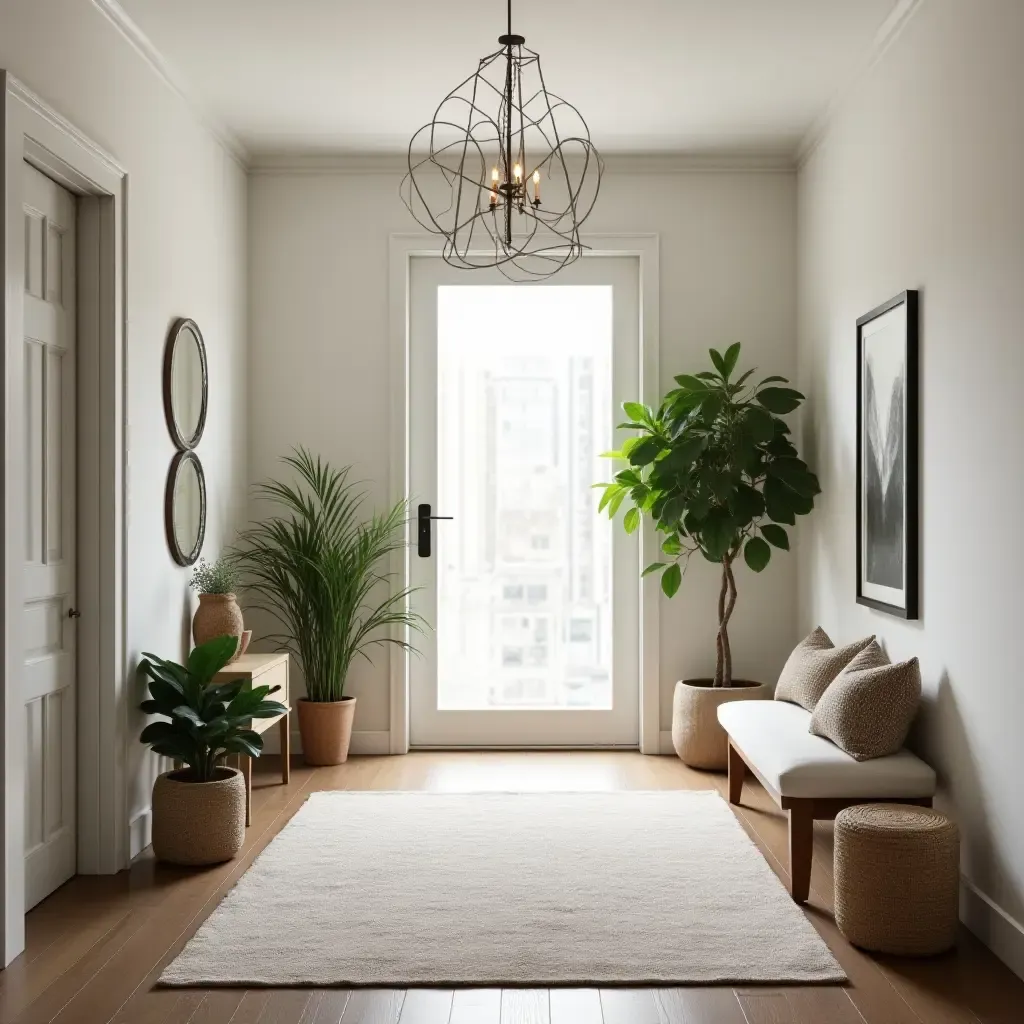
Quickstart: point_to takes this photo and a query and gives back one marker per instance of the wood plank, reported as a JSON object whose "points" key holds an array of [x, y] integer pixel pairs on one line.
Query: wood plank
{"points": [[476, 1006], [327, 1006], [251, 1007], [525, 1006], [286, 1006], [630, 1006], [374, 1006], [766, 1007], [575, 1006], [824, 1005], [699, 1006], [218, 1006], [427, 1006]]}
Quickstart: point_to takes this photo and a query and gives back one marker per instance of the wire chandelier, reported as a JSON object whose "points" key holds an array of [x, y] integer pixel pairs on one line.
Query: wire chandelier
{"points": [[479, 183]]}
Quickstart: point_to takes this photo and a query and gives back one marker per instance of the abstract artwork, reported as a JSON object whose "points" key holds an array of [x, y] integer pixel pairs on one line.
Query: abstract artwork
{"points": [[887, 499]]}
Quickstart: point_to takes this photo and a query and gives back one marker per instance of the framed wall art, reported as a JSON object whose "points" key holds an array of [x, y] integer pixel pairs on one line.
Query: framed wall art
{"points": [[887, 457]]}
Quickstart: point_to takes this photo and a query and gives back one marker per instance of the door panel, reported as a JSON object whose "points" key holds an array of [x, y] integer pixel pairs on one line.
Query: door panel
{"points": [[48, 681], [515, 392]]}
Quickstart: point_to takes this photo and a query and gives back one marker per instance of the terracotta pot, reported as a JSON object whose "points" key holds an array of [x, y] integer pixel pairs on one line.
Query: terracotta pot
{"points": [[198, 822], [217, 615], [697, 737], [326, 729]]}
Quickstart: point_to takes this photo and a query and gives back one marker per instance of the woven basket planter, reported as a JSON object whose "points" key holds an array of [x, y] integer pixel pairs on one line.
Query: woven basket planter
{"points": [[326, 730], [218, 615], [697, 737], [897, 878], [197, 823]]}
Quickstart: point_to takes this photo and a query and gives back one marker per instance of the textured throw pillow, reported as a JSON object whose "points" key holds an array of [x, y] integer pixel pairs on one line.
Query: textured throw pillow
{"points": [[869, 707], [814, 663]]}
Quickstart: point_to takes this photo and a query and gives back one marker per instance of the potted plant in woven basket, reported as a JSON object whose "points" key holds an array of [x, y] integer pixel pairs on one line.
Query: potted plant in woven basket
{"points": [[319, 567], [218, 613], [715, 470], [199, 809]]}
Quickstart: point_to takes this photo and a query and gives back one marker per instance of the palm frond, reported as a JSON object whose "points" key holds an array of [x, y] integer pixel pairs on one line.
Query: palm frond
{"points": [[319, 569]]}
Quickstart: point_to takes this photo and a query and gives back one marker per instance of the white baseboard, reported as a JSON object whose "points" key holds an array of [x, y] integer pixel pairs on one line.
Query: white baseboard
{"points": [[994, 926], [140, 832], [365, 742]]}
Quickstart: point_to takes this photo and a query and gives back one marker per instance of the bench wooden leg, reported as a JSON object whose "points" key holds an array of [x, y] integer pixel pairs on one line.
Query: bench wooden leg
{"points": [[247, 775], [737, 773], [801, 847], [286, 749]]}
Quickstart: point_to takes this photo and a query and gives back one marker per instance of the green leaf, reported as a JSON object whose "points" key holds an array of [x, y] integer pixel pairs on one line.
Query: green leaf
{"points": [[779, 400], [746, 504], [645, 452], [690, 382], [653, 567], [609, 493], [756, 553], [795, 475], [778, 501], [671, 579], [718, 533], [208, 659], [772, 380], [711, 407], [611, 455], [742, 380], [616, 501], [672, 510], [631, 520], [759, 424], [637, 412], [719, 360], [671, 545], [684, 453], [776, 536], [731, 357]]}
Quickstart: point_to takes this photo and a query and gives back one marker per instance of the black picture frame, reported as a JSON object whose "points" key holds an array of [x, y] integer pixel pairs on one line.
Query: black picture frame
{"points": [[888, 534]]}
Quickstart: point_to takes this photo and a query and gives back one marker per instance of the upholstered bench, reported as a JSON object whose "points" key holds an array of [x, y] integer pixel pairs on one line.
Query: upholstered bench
{"points": [[809, 776]]}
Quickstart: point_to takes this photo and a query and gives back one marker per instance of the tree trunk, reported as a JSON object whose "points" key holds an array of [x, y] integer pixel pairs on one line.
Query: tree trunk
{"points": [[719, 649], [726, 604]]}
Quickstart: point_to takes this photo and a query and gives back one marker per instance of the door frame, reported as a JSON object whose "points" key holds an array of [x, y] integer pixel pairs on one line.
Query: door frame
{"points": [[34, 133], [402, 249]]}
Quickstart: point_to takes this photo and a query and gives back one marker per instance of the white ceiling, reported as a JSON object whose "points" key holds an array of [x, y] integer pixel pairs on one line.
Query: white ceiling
{"points": [[694, 76]]}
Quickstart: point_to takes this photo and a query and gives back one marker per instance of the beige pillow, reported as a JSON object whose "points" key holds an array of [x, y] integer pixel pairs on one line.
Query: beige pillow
{"points": [[814, 663], [868, 710]]}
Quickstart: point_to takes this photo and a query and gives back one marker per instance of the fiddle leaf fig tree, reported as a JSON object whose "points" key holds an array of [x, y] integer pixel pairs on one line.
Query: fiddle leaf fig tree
{"points": [[715, 469]]}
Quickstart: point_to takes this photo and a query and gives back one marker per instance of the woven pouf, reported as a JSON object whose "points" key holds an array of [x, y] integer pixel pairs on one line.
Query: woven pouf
{"points": [[897, 878]]}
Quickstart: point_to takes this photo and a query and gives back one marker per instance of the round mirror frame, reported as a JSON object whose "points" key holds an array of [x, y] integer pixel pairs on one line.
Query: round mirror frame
{"points": [[180, 326], [177, 464]]}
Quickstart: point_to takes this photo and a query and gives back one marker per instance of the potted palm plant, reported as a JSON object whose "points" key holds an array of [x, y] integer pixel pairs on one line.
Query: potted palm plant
{"points": [[199, 810], [320, 569], [716, 471]]}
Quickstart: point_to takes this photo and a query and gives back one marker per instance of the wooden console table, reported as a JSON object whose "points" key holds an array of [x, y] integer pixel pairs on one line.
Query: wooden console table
{"points": [[262, 670]]}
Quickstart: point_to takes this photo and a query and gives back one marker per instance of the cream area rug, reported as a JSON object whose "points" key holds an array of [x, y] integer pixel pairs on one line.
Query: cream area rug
{"points": [[507, 889]]}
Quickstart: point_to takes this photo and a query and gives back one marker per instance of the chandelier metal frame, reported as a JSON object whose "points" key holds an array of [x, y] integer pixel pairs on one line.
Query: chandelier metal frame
{"points": [[472, 185]]}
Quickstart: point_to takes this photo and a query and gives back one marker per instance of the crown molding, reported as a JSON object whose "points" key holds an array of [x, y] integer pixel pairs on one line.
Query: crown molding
{"points": [[144, 46], [890, 29], [329, 164]]}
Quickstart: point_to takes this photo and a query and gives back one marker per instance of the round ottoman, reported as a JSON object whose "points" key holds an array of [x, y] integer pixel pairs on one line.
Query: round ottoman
{"points": [[897, 878]]}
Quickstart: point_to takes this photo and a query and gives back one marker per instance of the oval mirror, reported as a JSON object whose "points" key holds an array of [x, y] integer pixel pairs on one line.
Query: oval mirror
{"points": [[186, 384], [185, 507]]}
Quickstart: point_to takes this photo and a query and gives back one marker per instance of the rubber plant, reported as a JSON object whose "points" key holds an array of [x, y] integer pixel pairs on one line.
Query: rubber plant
{"points": [[715, 469], [205, 721]]}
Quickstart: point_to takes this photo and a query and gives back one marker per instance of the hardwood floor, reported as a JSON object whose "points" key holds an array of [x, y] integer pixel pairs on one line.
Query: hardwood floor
{"points": [[96, 946]]}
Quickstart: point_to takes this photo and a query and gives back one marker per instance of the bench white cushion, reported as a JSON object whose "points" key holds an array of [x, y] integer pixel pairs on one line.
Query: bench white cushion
{"points": [[773, 737]]}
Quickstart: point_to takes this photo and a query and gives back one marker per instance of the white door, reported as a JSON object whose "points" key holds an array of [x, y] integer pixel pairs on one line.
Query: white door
{"points": [[49, 630], [534, 598]]}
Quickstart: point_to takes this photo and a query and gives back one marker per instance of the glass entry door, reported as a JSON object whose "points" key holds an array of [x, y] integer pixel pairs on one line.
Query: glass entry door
{"points": [[533, 596]]}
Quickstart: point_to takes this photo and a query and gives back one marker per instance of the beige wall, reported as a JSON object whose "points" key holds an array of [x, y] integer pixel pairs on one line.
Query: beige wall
{"points": [[918, 184], [186, 223], [319, 315]]}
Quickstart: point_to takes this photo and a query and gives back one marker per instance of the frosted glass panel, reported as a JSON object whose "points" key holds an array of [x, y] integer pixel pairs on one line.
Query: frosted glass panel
{"points": [[524, 606]]}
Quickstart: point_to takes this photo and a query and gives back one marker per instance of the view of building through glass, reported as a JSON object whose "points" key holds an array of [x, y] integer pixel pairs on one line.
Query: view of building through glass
{"points": [[524, 610]]}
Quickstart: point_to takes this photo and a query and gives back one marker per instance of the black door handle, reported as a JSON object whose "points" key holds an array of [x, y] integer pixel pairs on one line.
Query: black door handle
{"points": [[423, 518]]}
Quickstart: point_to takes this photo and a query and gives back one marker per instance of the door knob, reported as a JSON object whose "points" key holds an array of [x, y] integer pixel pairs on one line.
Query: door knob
{"points": [[74, 613], [423, 518]]}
